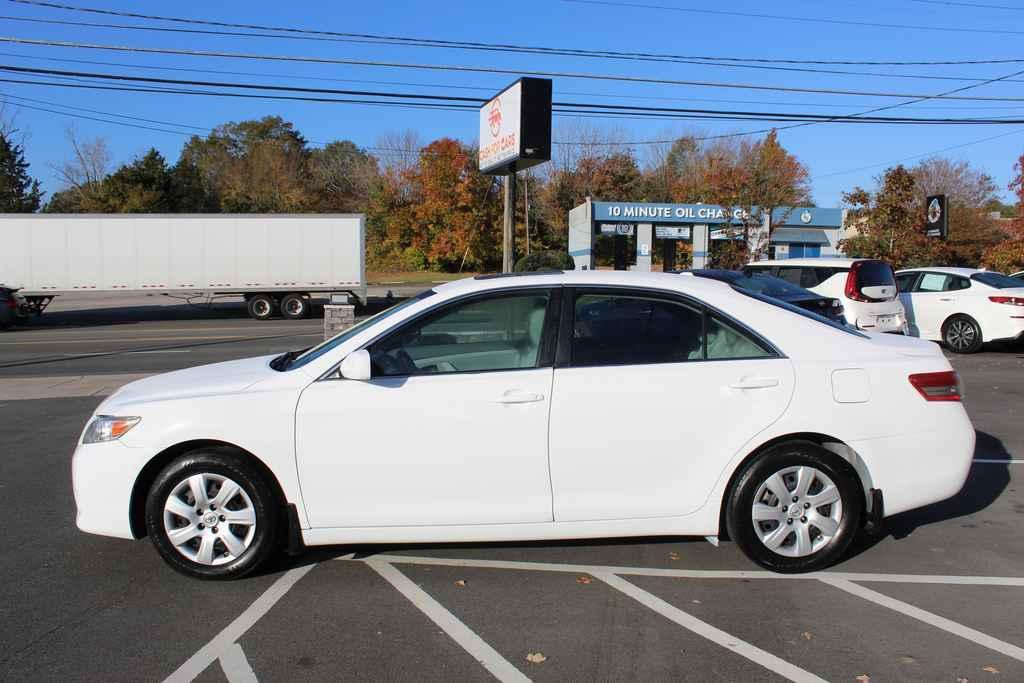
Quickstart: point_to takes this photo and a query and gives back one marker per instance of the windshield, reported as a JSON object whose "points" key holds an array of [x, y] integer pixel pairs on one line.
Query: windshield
{"points": [[998, 280], [800, 311], [338, 339]]}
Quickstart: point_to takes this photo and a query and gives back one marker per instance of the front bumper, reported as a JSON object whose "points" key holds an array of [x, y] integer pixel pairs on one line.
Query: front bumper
{"points": [[102, 476]]}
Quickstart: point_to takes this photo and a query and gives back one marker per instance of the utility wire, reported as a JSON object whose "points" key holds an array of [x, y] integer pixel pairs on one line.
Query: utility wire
{"points": [[781, 17], [454, 43], [453, 86], [968, 4], [479, 69], [571, 107], [519, 50]]}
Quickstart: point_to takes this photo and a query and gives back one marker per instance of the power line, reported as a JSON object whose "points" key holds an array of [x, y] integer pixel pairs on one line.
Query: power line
{"points": [[467, 44], [564, 107], [487, 89], [781, 17], [968, 4], [480, 69], [563, 52]]}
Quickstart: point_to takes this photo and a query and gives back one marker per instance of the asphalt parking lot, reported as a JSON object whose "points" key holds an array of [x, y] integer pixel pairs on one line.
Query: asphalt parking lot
{"points": [[937, 597]]}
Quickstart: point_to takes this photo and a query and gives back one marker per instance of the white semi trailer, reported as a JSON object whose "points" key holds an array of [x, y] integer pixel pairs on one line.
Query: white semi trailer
{"points": [[275, 261]]}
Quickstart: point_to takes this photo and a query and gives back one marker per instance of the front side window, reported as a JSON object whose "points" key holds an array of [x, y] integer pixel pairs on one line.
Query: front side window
{"points": [[905, 281], [496, 333]]}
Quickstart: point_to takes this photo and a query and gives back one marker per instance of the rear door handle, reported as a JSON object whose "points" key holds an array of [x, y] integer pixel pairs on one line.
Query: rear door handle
{"points": [[755, 383], [515, 396]]}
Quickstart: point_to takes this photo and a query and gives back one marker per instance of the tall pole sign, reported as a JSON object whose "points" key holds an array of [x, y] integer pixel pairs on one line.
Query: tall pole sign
{"points": [[936, 216], [515, 133]]}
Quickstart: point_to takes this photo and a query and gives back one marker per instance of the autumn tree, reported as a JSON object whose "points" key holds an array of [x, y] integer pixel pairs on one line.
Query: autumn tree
{"points": [[889, 224], [19, 192], [81, 174], [342, 176], [1008, 255]]}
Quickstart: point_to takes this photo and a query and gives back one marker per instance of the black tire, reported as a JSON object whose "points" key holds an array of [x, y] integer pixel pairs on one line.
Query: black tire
{"points": [[215, 464], [962, 334], [295, 306], [740, 517], [261, 306]]}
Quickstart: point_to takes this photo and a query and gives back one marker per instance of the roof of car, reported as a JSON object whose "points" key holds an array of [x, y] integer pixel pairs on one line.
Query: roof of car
{"points": [[590, 278], [822, 261], [966, 272]]}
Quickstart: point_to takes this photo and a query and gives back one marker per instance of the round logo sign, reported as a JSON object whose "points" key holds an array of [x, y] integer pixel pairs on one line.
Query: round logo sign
{"points": [[805, 216], [494, 117], [934, 211]]}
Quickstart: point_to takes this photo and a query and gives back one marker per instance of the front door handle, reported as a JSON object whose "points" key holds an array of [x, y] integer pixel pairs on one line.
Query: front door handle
{"points": [[755, 383], [515, 396]]}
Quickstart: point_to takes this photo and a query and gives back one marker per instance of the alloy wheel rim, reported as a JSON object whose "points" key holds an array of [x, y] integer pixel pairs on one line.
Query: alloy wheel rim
{"points": [[209, 519], [797, 511], [961, 334], [261, 307]]}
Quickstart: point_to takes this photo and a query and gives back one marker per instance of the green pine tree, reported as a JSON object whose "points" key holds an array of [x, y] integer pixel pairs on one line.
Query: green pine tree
{"points": [[19, 192]]}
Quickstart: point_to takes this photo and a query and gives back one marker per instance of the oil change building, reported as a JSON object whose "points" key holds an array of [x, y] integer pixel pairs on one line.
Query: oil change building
{"points": [[638, 230]]}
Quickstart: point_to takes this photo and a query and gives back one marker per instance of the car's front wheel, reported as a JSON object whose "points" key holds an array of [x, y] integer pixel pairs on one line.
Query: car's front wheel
{"points": [[795, 508], [211, 515]]}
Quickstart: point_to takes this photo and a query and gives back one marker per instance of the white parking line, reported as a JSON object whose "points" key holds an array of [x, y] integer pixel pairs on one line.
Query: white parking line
{"points": [[488, 657], [235, 666], [706, 630], [929, 618], [998, 462], [214, 649], [698, 573]]}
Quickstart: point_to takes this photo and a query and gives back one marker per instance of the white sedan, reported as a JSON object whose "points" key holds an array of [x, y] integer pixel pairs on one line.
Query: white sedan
{"points": [[962, 307], [543, 406]]}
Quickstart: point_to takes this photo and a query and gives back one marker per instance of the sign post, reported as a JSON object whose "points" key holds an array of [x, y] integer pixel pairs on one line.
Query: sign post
{"points": [[515, 133], [936, 216]]}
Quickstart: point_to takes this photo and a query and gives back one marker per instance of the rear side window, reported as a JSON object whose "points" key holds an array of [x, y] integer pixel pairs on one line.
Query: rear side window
{"points": [[875, 274], [725, 342], [620, 329]]}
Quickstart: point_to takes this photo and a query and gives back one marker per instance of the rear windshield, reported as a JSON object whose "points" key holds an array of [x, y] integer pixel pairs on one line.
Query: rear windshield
{"points": [[800, 311], [998, 280], [875, 274], [771, 285]]}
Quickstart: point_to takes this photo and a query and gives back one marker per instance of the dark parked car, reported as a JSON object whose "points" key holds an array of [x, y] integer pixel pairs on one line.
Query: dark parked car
{"points": [[777, 288], [9, 303]]}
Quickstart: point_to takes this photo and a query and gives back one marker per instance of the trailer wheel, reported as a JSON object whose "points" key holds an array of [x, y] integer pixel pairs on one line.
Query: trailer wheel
{"points": [[295, 306], [261, 306]]}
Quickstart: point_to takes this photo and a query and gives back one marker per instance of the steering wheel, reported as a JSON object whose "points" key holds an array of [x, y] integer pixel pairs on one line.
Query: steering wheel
{"points": [[395, 363]]}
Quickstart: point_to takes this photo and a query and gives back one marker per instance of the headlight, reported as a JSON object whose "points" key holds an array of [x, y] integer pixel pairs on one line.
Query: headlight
{"points": [[108, 428]]}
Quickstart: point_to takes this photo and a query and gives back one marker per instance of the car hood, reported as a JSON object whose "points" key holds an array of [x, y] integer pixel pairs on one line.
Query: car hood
{"points": [[205, 380]]}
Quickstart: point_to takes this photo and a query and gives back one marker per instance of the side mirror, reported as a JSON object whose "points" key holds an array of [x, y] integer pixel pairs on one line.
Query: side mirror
{"points": [[356, 366]]}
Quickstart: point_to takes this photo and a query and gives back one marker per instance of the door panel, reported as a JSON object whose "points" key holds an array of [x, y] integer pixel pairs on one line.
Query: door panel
{"points": [[639, 441], [426, 450]]}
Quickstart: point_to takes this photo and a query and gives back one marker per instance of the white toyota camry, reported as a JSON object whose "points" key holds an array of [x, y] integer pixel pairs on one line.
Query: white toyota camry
{"points": [[543, 406]]}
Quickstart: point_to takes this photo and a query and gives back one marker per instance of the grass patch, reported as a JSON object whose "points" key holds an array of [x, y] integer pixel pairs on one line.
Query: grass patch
{"points": [[422, 277]]}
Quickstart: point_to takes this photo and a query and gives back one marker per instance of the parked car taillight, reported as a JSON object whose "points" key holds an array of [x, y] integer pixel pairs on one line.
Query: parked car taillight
{"points": [[852, 290], [1010, 300], [938, 386]]}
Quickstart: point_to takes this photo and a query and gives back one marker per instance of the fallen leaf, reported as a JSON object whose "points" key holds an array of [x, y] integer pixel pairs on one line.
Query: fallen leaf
{"points": [[461, 583], [991, 669], [807, 635], [583, 579], [673, 556], [907, 659], [863, 678], [536, 658], [696, 602]]}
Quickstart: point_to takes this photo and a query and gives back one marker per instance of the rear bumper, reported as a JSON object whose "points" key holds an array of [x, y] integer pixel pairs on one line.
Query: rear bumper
{"points": [[883, 323], [1008, 331], [924, 467]]}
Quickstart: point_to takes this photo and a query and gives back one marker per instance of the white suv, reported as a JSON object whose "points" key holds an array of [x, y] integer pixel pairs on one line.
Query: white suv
{"points": [[867, 288]]}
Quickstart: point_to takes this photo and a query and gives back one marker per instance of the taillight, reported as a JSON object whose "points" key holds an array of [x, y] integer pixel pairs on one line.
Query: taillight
{"points": [[12, 304], [938, 386], [1009, 300], [852, 290]]}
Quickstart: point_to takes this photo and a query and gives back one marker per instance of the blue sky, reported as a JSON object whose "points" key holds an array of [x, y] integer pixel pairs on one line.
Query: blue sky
{"points": [[832, 152]]}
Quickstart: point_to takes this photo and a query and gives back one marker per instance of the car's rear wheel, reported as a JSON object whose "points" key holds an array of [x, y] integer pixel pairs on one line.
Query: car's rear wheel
{"points": [[211, 515], [795, 508], [962, 334]]}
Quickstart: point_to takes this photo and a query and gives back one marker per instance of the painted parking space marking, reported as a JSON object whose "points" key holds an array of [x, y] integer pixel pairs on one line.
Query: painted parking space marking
{"points": [[989, 461], [929, 618], [699, 573], [235, 665], [220, 644], [706, 630], [488, 657]]}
